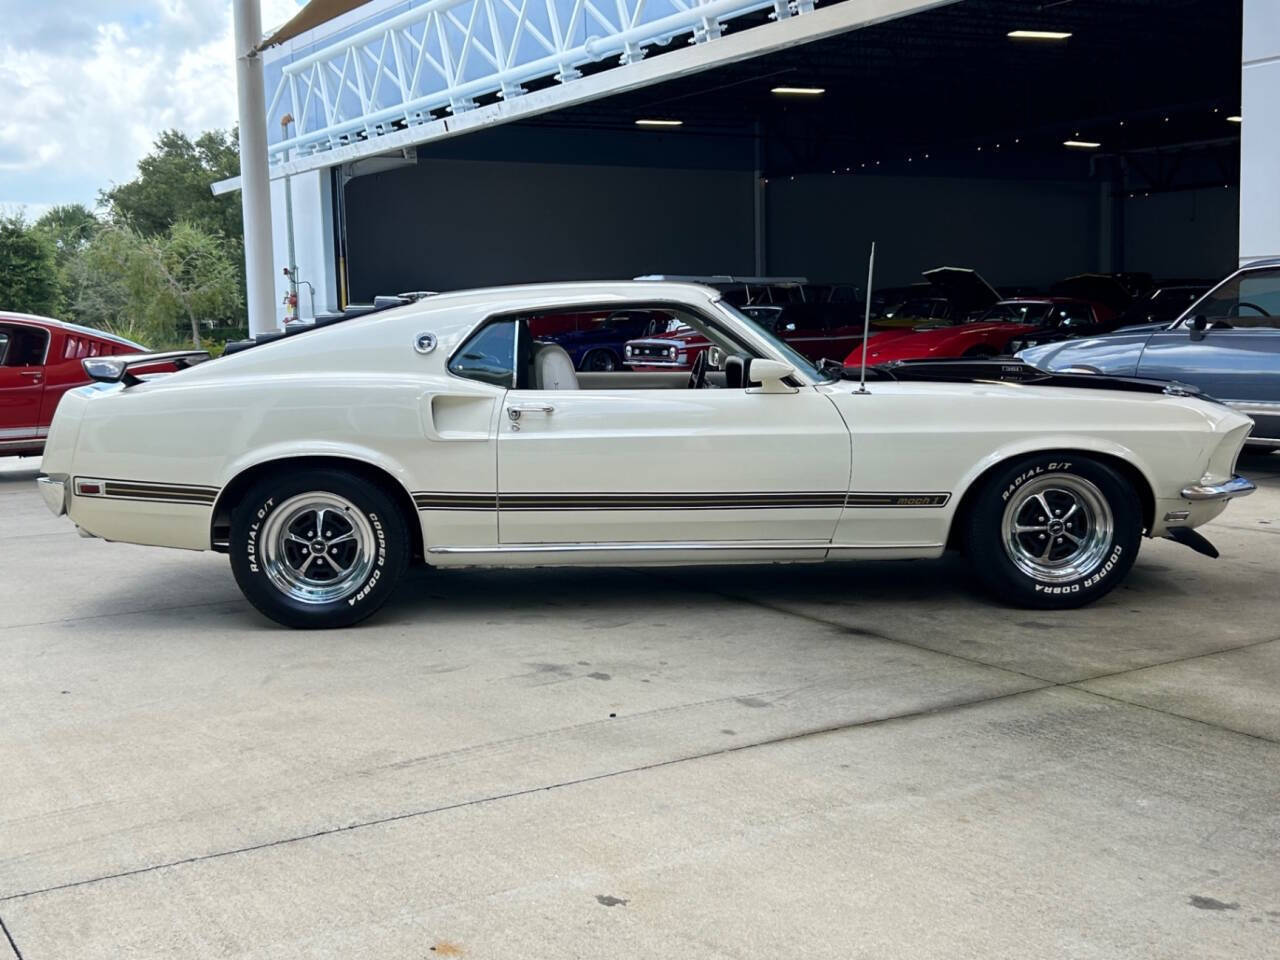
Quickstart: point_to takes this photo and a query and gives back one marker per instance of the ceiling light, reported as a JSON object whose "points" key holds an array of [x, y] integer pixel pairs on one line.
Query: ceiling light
{"points": [[1082, 144], [799, 91], [1235, 119], [1038, 35], [659, 123]]}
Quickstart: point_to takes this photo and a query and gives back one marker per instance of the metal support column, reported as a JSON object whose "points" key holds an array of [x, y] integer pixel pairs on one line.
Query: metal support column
{"points": [[255, 185]]}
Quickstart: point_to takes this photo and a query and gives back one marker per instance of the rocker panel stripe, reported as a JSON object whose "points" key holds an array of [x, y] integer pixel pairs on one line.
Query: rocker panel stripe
{"points": [[530, 502]]}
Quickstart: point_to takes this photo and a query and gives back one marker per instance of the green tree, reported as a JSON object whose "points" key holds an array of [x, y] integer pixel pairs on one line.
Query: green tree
{"points": [[173, 184], [71, 227], [180, 278], [28, 268]]}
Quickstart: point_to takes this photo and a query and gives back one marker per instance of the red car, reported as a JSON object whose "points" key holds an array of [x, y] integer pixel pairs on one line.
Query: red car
{"points": [[39, 362], [990, 335]]}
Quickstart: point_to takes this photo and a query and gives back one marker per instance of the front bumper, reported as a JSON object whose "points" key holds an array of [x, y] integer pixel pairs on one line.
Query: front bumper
{"points": [[1237, 486], [53, 488]]}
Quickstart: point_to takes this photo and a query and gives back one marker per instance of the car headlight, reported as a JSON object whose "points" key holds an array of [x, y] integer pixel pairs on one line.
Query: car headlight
{"points": [[629, 349], [671, 352]]}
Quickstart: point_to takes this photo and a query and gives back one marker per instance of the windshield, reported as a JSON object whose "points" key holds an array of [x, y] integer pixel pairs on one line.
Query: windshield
{"points": [[796, 359], [1032, 313]]}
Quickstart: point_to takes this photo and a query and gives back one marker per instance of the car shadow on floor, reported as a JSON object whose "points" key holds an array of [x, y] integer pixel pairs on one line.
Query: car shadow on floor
{"points": [[12, 479]]}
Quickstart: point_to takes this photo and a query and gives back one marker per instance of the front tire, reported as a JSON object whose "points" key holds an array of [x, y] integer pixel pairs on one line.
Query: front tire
{"points": [[600, 361], [1053, 531], [318, 548]]}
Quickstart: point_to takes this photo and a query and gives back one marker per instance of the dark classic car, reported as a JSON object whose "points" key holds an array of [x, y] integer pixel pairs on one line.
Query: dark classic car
{"points": [[1227, 344]]}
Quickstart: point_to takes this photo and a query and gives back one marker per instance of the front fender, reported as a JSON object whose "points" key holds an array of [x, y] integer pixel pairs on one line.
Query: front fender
{"points": [[1067, 443]]}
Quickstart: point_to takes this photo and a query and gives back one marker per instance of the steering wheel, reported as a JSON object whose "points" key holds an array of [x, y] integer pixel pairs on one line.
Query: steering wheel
{"points": [[698, 375], [1251, 306]]}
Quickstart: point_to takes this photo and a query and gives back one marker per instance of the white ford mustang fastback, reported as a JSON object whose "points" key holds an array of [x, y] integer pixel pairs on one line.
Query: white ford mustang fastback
{"points": [[451, 430]]}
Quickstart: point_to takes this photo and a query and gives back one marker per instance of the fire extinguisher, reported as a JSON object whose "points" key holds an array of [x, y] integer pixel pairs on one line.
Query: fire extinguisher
{"points": [[291, 305]]}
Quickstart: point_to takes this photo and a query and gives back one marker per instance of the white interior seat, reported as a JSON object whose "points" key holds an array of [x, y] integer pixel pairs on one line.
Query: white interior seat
{"points": [[553, 368]]}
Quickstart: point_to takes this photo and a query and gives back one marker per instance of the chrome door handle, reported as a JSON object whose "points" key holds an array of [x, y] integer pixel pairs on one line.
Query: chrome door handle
{"points": [[517, 411], [33, 374]]}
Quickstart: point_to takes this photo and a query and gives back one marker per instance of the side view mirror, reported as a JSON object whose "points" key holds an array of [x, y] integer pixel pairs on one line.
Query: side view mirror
{"points": [[770, 374], [1198, 326]]}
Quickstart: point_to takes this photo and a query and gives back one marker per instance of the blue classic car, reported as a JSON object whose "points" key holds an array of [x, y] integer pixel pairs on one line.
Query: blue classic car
{"points": [[1227, 344]]}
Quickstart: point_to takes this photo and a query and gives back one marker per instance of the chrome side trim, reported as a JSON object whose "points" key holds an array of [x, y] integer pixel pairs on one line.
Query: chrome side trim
{"points": [[53, 488], [683, 545], [1237, 486], [1262, 408], [29, 443]]}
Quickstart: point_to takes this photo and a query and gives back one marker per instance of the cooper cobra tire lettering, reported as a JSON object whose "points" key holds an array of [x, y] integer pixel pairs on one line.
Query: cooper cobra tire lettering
{"points": [[369, 584]]}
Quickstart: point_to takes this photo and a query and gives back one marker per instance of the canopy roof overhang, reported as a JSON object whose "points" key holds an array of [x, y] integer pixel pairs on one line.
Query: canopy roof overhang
{"points": [[314, 14]]}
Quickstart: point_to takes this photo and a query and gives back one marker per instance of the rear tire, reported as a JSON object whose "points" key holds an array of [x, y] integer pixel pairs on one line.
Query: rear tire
{"points": [[318, 548], [1053, 531]]}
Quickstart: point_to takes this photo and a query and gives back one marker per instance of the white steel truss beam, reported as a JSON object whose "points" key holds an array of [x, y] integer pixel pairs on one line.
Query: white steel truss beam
{"points": [[440, 45]]}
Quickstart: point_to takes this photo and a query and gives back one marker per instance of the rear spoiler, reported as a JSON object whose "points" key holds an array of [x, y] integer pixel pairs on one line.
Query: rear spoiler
{"points": [[117, 369]]}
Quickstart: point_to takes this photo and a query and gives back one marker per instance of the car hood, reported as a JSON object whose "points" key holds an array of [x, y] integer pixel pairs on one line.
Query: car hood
{"points": [[966, 289], [1116, 353], [921, 341]]}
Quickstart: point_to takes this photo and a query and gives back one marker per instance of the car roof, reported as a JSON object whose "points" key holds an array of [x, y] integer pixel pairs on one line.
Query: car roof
{"points": [[69, 327]]}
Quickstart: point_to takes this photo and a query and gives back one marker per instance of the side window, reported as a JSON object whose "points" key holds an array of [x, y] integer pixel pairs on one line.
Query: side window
{"points": [[26, 347], [489, 356], [1250, 300]]}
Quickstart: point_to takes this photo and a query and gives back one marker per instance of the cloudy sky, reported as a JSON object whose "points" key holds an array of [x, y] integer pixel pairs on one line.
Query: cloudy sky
{"points": [[85, 86]]}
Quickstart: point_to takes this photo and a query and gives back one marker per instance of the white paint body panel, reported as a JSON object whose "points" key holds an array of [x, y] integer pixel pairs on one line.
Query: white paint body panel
{"points": [[359, 391]]}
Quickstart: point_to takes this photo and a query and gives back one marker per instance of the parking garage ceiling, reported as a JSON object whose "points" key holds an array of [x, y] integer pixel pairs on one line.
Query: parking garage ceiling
{"points": [[949, 91]]}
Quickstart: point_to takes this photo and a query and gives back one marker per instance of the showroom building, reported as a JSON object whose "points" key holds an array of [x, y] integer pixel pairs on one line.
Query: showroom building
{"points": [[454, 143]]}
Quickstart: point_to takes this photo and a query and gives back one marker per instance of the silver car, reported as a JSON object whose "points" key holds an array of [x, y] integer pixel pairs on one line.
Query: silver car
{"points": [[1227, 344]]}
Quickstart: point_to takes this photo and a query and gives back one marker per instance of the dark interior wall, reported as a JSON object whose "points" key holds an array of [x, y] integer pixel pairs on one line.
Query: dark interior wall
{"points": [[1012, 232], [1189, 233], [448, 224]]}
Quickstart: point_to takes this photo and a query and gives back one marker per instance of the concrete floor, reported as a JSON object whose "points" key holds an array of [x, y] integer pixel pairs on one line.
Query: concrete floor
{"points": [[839, 761]]}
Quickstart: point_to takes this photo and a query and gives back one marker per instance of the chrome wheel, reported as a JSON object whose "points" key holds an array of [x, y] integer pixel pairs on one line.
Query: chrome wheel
{"points": [[1057, 528], [318, 547]]}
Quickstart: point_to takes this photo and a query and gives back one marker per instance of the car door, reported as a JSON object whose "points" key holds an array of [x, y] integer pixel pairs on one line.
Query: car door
{"points": [[23, 348], [671, 466], [1236, 356]]}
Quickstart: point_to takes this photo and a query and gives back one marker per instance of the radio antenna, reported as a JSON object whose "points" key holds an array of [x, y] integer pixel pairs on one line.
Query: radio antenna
{"points": [[866, 320]]}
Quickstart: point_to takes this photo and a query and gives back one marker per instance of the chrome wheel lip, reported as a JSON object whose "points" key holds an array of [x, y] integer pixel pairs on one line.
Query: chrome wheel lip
{"points": [[1087, 502], [291, 578]]}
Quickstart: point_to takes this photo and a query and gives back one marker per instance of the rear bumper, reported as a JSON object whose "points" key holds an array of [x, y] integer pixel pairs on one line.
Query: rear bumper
{"points": [[53, 488], [1237, 486]]}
